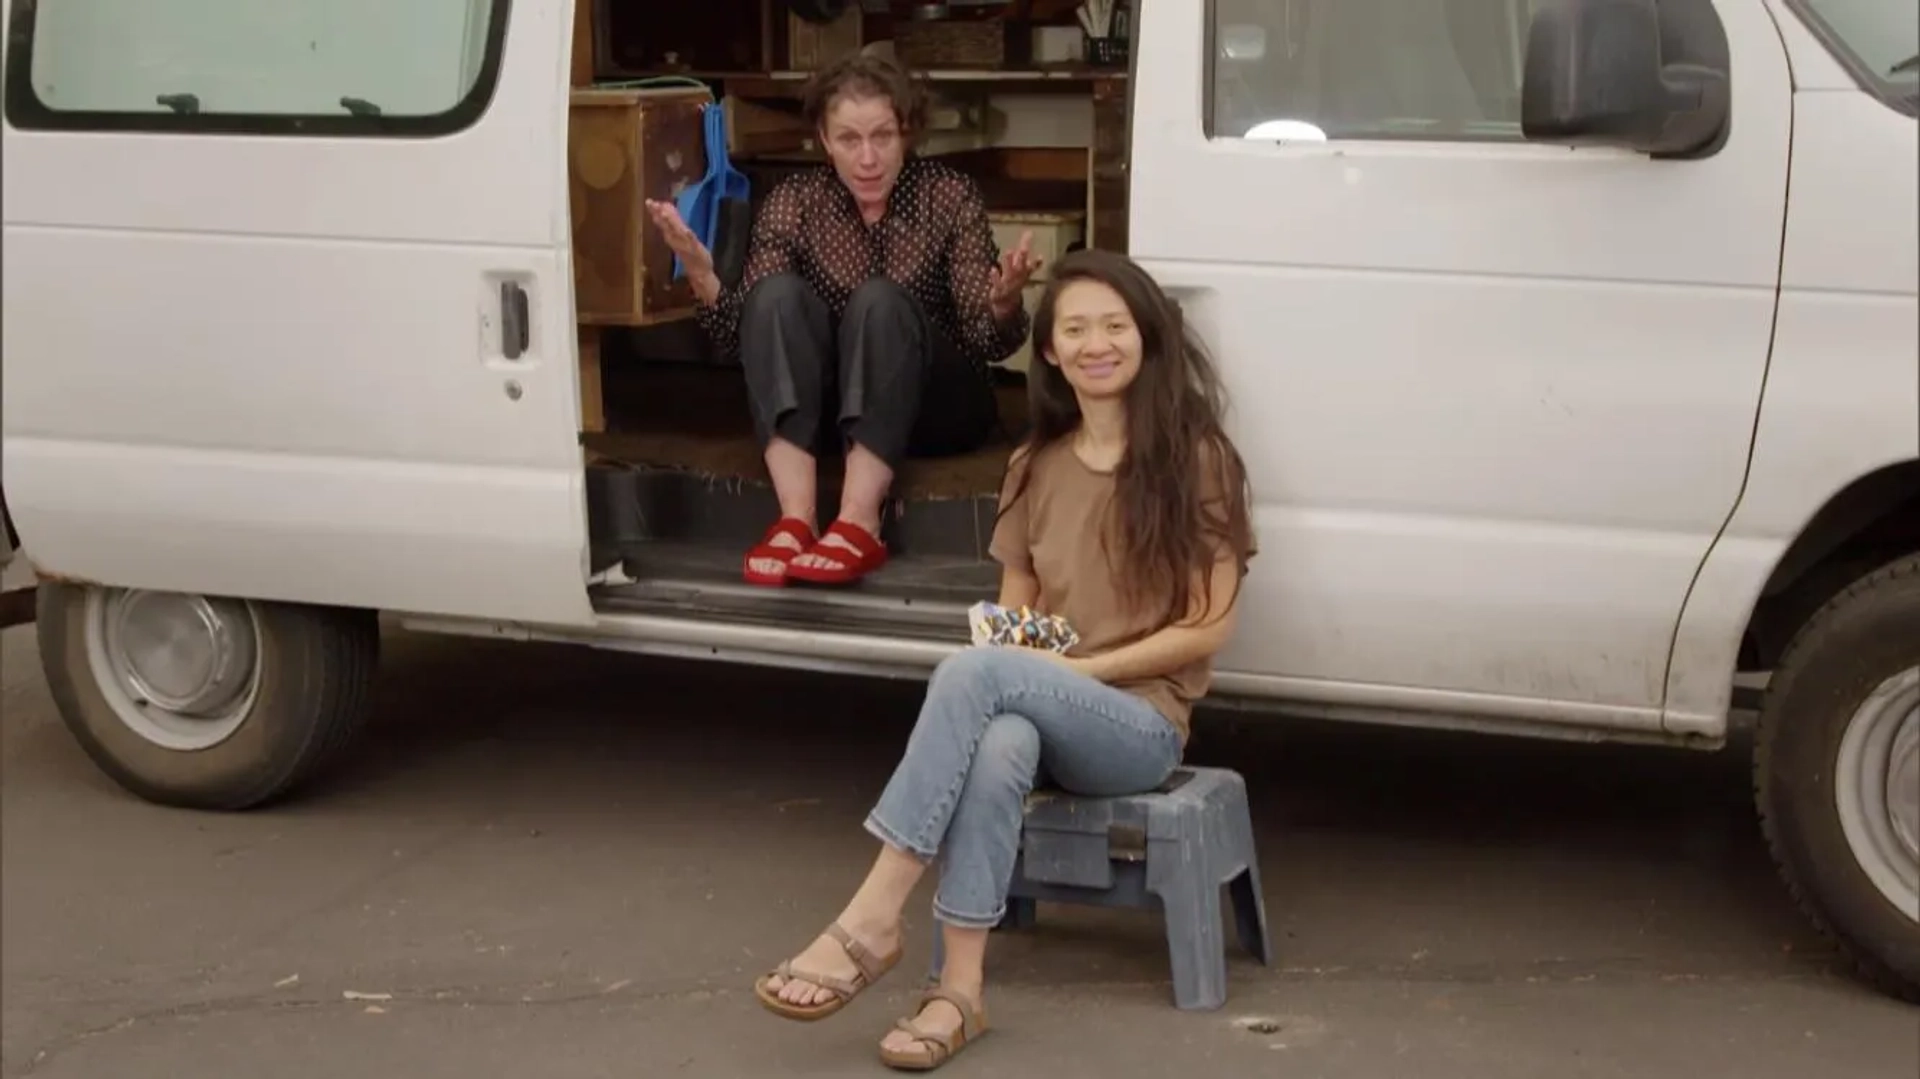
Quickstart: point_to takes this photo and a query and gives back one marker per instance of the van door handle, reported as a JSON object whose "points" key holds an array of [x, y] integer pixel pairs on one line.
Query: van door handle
{"points": [[516, 332]]}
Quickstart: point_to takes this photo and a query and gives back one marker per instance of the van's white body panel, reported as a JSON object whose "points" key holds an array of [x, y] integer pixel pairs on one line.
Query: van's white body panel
{"points": [[1843, 388], [1529, 427], [272, 367]]}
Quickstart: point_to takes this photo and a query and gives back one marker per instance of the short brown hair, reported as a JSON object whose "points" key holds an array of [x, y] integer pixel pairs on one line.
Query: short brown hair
{"points": [[865, 74]]}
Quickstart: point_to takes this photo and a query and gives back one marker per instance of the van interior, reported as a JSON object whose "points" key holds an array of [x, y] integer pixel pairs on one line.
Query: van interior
{"points": [[677, 490], [1023, 99]]}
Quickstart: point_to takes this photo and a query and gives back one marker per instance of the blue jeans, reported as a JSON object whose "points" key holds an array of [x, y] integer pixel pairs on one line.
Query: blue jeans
{"points": [[992, 718]]}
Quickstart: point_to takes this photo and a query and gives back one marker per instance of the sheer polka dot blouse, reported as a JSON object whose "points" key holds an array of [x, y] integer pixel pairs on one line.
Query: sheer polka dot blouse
{"points": [[935, 241]]}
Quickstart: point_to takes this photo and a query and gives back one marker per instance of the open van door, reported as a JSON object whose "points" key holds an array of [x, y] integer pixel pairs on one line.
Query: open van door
{"points": [[289, 312]]}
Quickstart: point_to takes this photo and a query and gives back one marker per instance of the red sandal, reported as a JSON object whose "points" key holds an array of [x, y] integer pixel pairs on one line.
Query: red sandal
{"points": [[868, 554], [794, 529]]}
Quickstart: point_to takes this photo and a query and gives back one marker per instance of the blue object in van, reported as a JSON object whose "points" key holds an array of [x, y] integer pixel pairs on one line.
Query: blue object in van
{"points": [[700, 204]]}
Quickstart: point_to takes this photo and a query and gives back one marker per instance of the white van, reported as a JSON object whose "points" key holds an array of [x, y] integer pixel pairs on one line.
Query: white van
{"points": [[1573, 352]]}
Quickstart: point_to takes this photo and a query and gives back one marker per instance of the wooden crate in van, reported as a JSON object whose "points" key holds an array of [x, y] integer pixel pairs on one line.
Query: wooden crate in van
{"points": [[624, 146]]}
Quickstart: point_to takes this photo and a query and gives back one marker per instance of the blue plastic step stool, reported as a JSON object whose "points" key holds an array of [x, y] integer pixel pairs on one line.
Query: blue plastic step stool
{"points": [[1169, 850]]}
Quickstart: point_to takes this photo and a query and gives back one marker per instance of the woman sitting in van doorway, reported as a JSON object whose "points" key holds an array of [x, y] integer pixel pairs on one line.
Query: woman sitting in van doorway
{"points": [[1126, 513], [871, 304]]}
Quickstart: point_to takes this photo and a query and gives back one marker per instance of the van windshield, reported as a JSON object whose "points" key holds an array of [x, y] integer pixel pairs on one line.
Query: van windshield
{"points": [[1880, 38]]}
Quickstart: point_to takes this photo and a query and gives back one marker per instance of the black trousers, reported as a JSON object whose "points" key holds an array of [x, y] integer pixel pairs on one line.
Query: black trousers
{"points": [[884, 374]]}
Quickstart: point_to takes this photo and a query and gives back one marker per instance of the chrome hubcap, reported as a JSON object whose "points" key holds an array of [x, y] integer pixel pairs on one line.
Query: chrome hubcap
{"points": [[1877, 789], [180, 671], [1903, 785]]}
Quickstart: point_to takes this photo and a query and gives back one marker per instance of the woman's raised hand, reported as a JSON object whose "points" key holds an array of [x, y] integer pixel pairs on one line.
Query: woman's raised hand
{"points": [[694, 256], [1010, 277]]}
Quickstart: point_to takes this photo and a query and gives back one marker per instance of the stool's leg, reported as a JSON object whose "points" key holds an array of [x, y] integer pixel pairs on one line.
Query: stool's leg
{"points": [[1249, 903], [1192, 905], [1021, 913], [1250, 914]]}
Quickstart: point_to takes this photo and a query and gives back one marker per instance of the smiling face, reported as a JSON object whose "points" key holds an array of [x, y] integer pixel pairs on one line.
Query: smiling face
{"points": [[865, 142], [1096, 342]]}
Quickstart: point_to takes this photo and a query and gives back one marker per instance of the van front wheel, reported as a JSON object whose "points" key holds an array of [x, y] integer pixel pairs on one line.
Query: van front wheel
{"points": [[1837, 772], [205, 702]]}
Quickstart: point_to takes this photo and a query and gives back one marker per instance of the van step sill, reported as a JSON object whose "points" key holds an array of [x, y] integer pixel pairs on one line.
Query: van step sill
{"points": [[920, 598]]}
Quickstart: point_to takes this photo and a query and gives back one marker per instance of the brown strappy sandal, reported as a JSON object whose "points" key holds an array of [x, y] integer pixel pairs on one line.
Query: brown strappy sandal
{"points": [[871, 968], [936, 1049]]}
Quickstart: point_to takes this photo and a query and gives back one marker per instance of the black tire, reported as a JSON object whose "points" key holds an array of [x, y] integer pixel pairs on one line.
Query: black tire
{"points": [[316, 669], [1867, 634]]}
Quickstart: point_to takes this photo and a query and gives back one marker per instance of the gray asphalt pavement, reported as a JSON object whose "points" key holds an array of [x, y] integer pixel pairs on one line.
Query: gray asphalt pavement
{"points": [[554, 863]]}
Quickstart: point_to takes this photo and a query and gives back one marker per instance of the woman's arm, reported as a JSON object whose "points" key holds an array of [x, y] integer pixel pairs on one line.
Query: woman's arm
{"points": [[1019, 585], [1018, 588], [776, 231], [1203, 633], [985, 334]]}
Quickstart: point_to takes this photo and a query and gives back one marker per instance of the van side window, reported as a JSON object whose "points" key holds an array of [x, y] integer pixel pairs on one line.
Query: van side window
{"points": [[1442, 70], [1878, 42], [280, 67]]}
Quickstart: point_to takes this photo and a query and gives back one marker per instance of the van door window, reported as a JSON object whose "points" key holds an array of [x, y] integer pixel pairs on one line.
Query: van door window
{"points": [[1315, 70], [1878, 41], [285, 67]]}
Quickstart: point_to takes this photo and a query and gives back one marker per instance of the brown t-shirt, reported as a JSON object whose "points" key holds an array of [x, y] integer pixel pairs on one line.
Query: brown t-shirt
{"points": [[1054, 533]]}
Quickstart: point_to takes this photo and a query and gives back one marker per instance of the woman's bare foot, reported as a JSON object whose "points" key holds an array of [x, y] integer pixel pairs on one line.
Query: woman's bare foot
{"points": [[936, 1017], [863, 491], [835, 549], [826, 957], [784, 541]]}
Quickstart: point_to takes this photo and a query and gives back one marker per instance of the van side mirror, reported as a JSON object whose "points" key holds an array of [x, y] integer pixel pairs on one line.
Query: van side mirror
{"points": [[1615, 73]]}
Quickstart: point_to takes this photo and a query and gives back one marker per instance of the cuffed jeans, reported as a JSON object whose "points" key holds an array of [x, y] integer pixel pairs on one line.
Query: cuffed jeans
{"points": [[993, 718]]}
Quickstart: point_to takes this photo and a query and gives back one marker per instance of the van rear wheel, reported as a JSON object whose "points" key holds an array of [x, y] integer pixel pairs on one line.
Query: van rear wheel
{"points": [[1837, 773], [205, 702]]}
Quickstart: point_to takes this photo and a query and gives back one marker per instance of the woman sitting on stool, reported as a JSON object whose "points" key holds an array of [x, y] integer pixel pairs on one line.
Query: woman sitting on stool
{"points": [[871, 305], [1126, 513]]}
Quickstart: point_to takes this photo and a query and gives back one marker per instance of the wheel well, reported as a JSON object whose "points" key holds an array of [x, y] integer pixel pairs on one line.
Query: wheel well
{"points": [[1872, 521]]}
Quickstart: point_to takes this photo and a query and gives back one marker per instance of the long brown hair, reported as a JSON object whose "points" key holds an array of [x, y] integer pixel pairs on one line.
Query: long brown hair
{"points": [[1180, 493]]}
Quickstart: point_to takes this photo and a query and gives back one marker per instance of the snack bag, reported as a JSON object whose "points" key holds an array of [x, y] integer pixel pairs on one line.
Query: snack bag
{"points": [[1021, 627]]}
